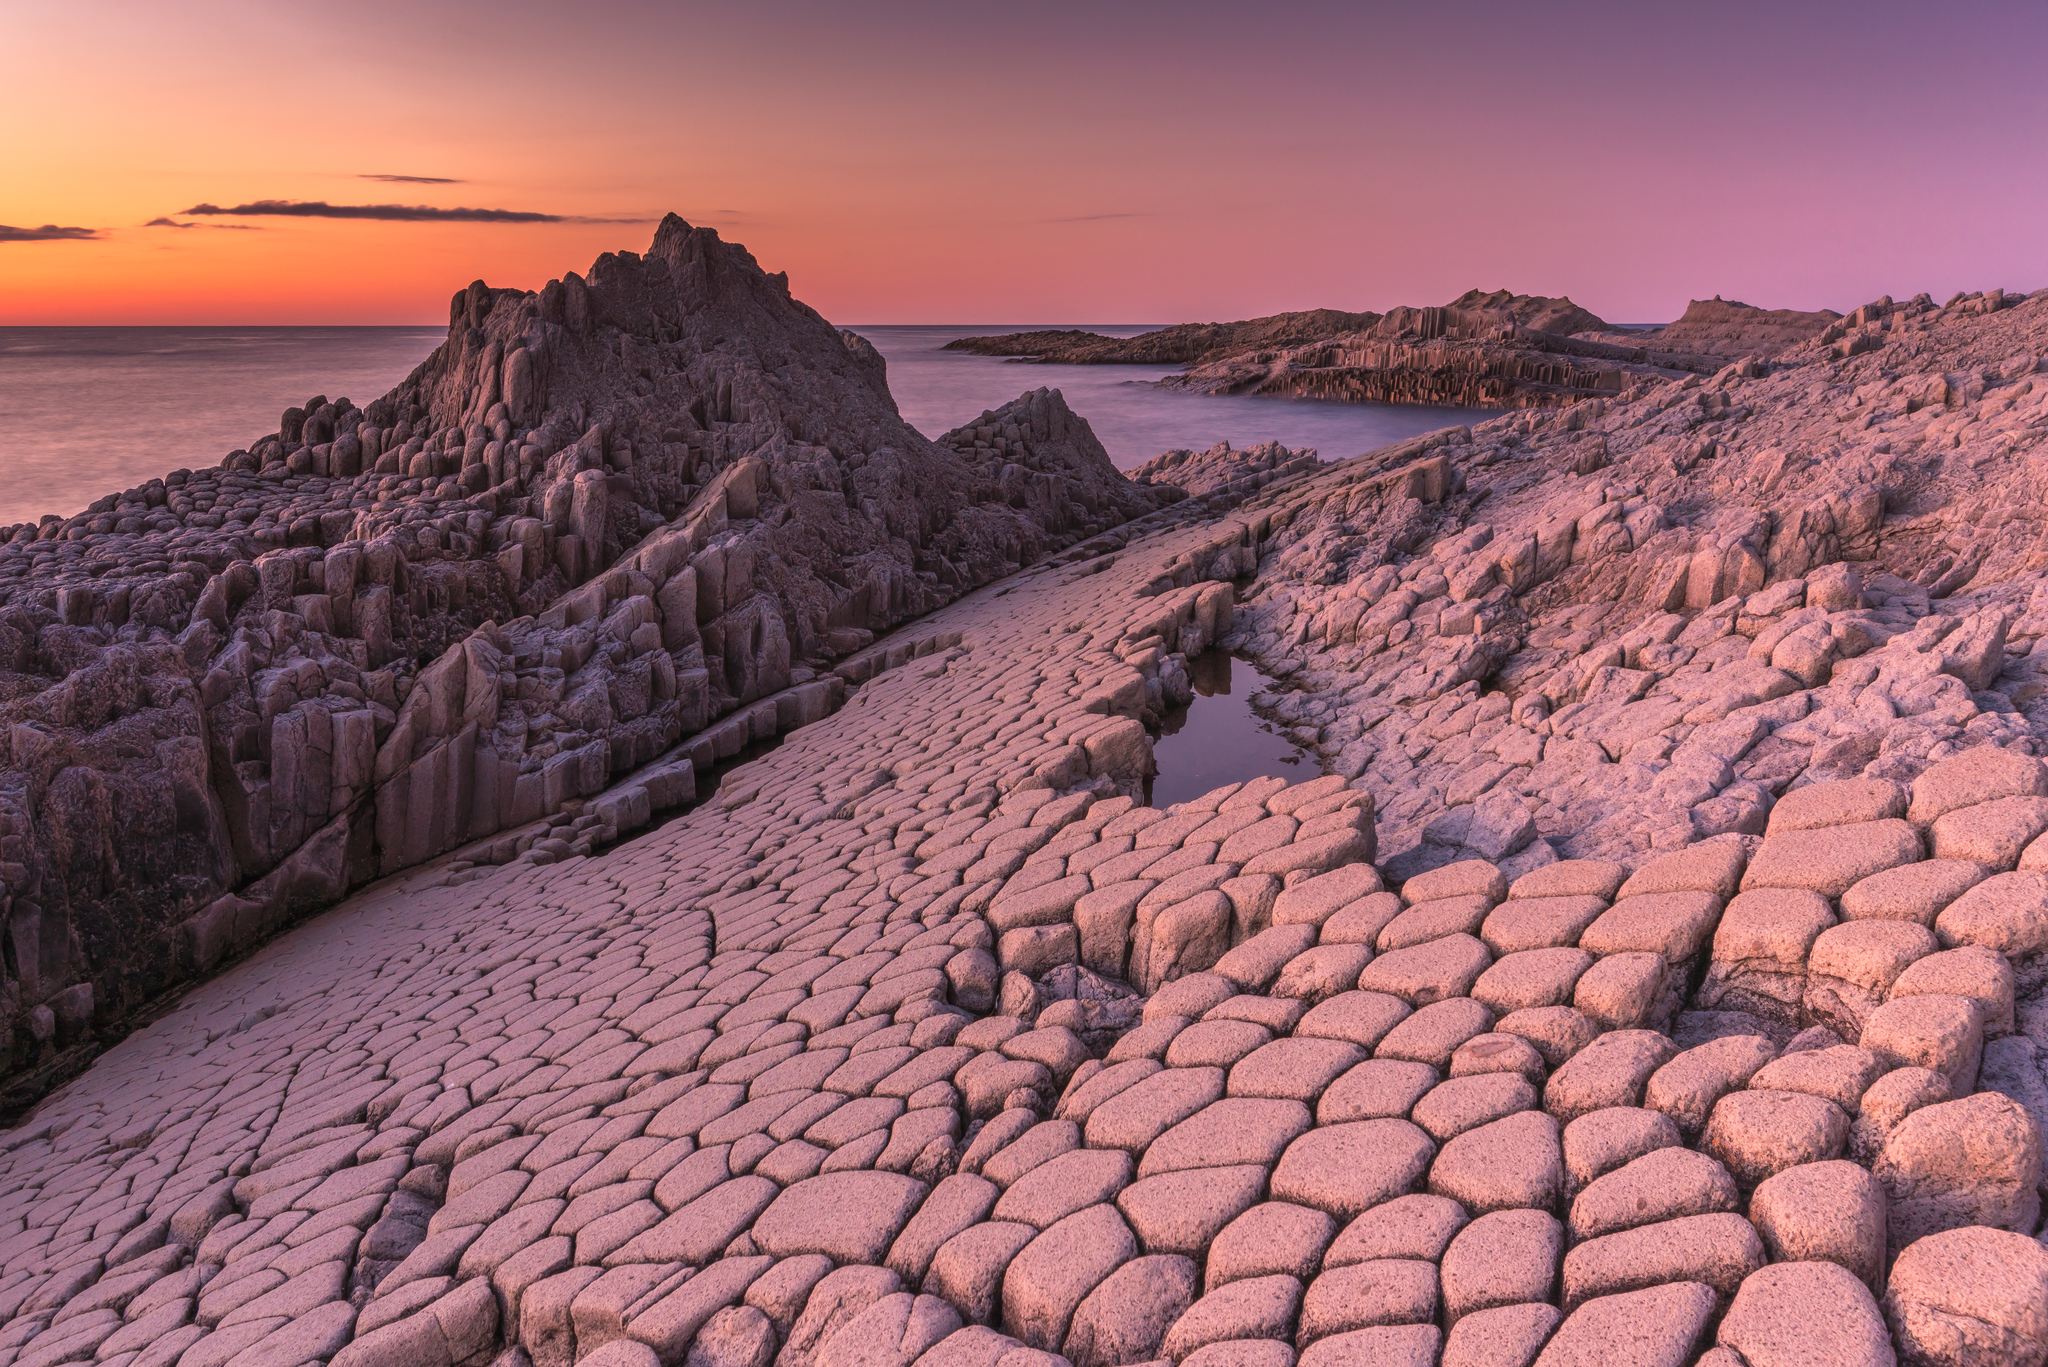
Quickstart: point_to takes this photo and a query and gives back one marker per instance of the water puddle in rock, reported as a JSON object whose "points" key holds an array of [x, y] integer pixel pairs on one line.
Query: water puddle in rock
{"points": [[1218, 739], [710, 782]]}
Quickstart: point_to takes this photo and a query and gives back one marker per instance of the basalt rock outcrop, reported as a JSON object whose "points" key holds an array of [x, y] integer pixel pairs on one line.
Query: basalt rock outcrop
{"points": [[1464, 355], [599, 518], [1725, 328], [1221, 470], [1482, 350], [1545, 314], [1183, 344], [1658, 974], [1044, 460], [1845, 540]]}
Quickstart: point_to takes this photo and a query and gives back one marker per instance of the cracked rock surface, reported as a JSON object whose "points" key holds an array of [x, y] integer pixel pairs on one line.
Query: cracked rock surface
{"points": [[623, 525], [1656, 976]]}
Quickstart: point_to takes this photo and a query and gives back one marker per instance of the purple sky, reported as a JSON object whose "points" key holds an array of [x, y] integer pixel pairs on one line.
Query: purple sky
{"points": [[980, 162]]}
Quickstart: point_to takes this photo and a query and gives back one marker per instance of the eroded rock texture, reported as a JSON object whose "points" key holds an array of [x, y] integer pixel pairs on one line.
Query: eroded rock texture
{"points": [[1655, 977], [1220, 470], [1646, 619], [595, 521]]}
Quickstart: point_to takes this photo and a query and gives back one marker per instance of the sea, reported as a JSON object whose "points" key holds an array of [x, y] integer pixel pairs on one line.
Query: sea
{"points": [[86, 411]]}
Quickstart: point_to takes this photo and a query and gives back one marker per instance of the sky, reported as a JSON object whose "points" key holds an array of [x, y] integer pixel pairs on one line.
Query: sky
{"points": [[970, 162]]}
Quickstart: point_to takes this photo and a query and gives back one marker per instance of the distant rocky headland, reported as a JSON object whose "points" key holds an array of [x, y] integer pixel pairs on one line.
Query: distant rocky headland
{"points": [[621, 852], [1483, 350]]}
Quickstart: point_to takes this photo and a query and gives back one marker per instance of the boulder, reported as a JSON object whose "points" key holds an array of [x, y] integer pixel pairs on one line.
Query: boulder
{"points": [[1660, 1326], [1757, 1134], [1970, 1295], [1976, 1161], [1663, 1184], [1804, 1312], [1831, 1212], [1509, 1257], [1125, 1318], [1716, 1250]]}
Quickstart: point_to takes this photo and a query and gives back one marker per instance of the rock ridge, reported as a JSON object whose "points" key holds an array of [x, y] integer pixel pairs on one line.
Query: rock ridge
{"points": [[600, 517], [1483, 350]]}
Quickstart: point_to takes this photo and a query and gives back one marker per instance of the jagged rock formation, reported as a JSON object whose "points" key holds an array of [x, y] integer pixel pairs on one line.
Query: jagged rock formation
{"points": [[1545, 314], [1220, 470], [1659, 974], [1043, 460], [1183, 344], [598, 518], [1482, 350], [1614, 576], [1467, 357]]}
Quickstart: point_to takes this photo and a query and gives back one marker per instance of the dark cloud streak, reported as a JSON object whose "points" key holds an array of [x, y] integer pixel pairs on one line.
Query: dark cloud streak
{"points": [[394, 213], [223, 227], [391, 213], [414, 180], [49, 232]]}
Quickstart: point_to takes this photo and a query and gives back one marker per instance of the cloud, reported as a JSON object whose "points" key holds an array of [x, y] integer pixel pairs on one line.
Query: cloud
{"points": [[393, 213], [398, 213], [414, 180], [1092, 218], [225, 227], [49, 232]]}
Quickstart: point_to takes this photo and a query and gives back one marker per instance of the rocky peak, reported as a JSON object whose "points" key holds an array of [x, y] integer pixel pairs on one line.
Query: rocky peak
{"points": [[1724, 327], [1559, 315], [600, 517]]}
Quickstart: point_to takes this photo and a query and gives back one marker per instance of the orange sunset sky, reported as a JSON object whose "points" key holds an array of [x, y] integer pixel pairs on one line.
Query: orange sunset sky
{"points": [[963, 162]]}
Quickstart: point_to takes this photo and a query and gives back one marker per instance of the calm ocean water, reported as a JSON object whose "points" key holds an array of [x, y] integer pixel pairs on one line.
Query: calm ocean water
{"points": [[939, 390], [88, 411]]}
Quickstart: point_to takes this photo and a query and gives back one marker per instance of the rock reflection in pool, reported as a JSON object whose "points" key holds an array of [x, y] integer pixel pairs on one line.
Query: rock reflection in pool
{"points": [[1218, 739]]}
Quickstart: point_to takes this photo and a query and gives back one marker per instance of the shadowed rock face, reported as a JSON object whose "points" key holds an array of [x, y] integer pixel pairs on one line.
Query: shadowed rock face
{"points": [[1040, 455], [596, 520]]}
